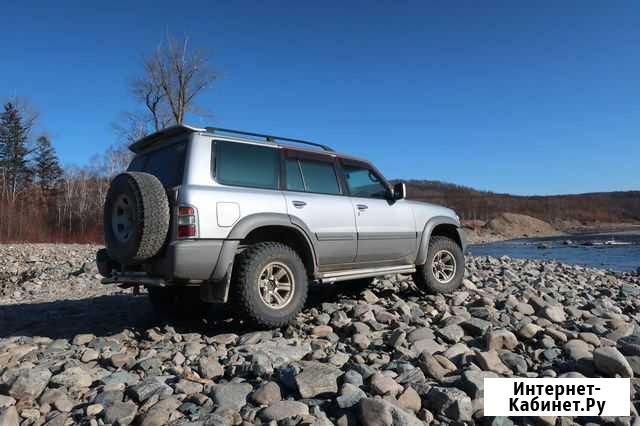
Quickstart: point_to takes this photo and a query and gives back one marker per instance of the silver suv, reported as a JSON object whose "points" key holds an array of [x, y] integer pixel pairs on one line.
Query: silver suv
{"points": [[216, 215]]}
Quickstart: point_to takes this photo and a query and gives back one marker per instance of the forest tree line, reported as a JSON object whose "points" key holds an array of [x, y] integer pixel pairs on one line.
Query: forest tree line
{"points": [[40, 201]]}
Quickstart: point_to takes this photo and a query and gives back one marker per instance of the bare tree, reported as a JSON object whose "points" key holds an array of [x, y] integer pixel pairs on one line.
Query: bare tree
{"points": [[174, 76]]}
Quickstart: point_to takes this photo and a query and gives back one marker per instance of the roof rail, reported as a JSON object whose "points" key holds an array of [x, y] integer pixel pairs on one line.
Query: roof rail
{"points": [[268, 138]]}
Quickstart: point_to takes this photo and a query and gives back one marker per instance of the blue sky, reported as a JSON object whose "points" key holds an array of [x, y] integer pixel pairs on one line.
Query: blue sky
{"points": [[520, 97]]}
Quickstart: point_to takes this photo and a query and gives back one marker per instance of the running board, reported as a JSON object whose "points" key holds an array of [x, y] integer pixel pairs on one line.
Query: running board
{"points": [[129, 280], [352, 274]]}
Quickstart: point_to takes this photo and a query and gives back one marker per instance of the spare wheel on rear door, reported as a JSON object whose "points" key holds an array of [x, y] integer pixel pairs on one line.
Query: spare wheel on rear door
{"points": [[136, 217]]}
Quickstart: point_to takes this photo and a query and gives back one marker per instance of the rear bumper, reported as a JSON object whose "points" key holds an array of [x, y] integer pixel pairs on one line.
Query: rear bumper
{"points": [[188, 260]]}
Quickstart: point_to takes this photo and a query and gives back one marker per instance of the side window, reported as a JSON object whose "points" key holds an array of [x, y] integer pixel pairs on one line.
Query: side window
{"points": [[243, 164], [319, 176], [294, 178], [362, 182]]}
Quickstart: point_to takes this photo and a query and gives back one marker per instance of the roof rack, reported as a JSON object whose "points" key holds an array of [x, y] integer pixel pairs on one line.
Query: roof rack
{"points": [[268, 138]]}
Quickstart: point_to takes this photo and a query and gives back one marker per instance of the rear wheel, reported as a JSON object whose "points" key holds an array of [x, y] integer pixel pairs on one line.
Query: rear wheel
{"points": [[444, 269], [177, 302], [270, 284]]}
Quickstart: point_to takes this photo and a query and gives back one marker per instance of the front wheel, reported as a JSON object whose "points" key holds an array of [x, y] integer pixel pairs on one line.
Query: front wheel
{"points": [[444, 269], [270, 284]]}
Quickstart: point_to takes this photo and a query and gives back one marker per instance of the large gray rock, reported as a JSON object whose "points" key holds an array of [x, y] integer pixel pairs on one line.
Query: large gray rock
{"points": [[501, 339], [317, 379], [120, 413], [577, 349], [472, 382], [431, 367], [159, 413], [490, 361], [350, 395], [451, 333], [30, 383], [452, 402], [610, 361], [58, 399], [9, 417], [210, 368], [515, 362], [278, 352], [554, 313], [476, 327], [232, 396], [149, 387], [427, 345], [384, 385], [73, 377], [629, 345], [280, 410], [378, 412], [266, 394], [6, 401]]}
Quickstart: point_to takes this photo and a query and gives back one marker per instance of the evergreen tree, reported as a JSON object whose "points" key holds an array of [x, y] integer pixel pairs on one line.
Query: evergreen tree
{"points": [[47, 170], [14, 150]]}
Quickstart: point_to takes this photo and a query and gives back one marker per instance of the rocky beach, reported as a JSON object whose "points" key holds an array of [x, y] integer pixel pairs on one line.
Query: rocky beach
{"points": [[75, 352]]}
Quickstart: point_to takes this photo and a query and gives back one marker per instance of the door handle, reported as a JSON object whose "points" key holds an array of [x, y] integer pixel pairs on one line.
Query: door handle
{"points": [[362, 207], [298, 204]]}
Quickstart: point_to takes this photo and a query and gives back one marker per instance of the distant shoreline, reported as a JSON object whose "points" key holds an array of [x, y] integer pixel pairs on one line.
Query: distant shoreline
{"points": [[532, 228]]}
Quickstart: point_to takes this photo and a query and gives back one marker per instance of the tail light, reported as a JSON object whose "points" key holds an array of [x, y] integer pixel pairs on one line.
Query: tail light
{"points": [[187, 223]]}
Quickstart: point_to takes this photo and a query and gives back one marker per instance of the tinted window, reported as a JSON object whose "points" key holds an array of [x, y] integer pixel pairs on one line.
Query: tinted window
{"points": [[167, 164], [294, 178], [247, 165], [320, 177], [362, 182]]}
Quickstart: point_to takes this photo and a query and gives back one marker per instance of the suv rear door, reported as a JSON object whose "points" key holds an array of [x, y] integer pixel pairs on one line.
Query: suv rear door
{"points": [[314, 196], [386, 228]]}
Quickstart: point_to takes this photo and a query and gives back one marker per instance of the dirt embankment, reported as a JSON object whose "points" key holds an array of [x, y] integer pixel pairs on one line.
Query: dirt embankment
{"points": [[507, 226]]}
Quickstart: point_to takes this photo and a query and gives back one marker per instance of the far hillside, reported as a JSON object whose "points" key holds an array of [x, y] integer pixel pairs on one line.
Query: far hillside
{"points": [[574, 212]]}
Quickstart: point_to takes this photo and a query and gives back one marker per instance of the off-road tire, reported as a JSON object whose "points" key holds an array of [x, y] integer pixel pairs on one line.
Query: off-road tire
{"points": [[150, 216], [245, 289], [177, 303], [424, 276]]}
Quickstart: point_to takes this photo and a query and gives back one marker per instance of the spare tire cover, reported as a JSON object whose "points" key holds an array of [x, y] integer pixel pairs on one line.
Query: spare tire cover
{"points": [[136, 217]]}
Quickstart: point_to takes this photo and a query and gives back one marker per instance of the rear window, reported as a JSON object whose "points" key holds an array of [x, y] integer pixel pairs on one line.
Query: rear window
{"points": [[167, 164], [242, 164]]}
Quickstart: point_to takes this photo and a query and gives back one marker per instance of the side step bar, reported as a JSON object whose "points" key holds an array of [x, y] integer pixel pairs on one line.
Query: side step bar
{"points": [[128, 280], [351, 274]]}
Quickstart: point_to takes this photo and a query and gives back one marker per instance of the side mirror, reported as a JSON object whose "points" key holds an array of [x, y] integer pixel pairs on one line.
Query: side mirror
{"points": [[399, 191]]}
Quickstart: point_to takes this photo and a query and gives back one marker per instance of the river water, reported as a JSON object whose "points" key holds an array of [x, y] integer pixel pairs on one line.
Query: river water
{"points": [[571, 249]]}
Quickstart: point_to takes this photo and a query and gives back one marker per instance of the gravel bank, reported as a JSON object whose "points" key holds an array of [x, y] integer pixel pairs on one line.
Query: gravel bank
{"points": [[75, 352]]}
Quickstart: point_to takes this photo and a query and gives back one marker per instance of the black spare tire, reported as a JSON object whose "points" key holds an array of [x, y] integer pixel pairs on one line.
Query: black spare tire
{"points": [[136, 217]]}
